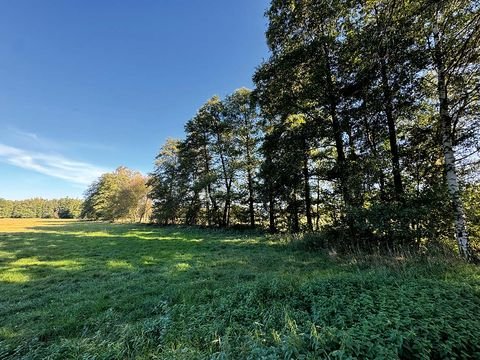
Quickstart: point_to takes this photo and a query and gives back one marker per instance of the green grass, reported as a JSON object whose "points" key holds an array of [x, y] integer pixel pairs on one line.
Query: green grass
{"points": [[79, 290]]}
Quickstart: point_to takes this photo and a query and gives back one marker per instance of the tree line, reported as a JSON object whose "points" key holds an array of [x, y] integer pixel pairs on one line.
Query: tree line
{"points": [[211, 177], [363, 124], [64, 208], [363, 127]]}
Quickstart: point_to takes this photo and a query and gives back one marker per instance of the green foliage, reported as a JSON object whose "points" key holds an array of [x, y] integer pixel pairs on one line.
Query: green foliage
{"points": [[210, 177], [64, 208], [363, 81], [416, 222], [134, 291], [119, 195], [361, 119], [169, 186], [472, 209]]}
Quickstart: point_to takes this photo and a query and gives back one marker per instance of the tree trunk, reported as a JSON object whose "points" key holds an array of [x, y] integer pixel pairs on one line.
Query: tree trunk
{"points": [[317, 215], [208, 189], [337, 131], [293, 210], [251, 208], [192, 212], [228, 204], [372, 143], [271, 200], [392, 131], [227, 181], [448, 151], [209, 192], [306, 181], [207, 206], [391, 123], [144, 209], [271, 212]]}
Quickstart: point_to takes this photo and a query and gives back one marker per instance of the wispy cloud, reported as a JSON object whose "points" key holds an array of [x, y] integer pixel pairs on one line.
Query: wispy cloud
{"points": [[12, 133], [51, 165], [29, 139]]}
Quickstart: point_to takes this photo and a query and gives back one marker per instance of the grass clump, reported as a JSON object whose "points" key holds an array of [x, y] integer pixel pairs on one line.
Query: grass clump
{"points": [[103, 291]]}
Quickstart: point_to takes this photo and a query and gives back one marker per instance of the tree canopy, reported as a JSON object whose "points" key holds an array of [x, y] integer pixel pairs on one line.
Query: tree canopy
{"points": [[119, 195], [363, 126]]}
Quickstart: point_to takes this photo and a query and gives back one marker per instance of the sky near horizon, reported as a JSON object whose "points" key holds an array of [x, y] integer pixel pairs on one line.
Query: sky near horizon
{"points": [[88, 85]]}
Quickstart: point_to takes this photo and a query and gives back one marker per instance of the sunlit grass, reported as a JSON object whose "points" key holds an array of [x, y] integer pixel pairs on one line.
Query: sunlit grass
{"points": [[28, 225], [34, 261], [71, 290], [14, 276], [182, 266], [119, 264]]}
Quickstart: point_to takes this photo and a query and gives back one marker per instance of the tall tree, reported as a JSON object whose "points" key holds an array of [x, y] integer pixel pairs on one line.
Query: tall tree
{"points": [[199, 145], [453, 33], [168, 184], [387, 62], [240, 112], [305, 73]]}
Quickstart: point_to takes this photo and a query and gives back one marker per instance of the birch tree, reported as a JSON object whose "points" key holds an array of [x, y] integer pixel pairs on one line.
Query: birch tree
{"points": [[453, 43]]}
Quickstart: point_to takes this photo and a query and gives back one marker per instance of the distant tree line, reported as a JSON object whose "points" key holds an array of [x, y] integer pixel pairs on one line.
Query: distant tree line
{"points": [[64, 208], [118, 195], [363, 126]]}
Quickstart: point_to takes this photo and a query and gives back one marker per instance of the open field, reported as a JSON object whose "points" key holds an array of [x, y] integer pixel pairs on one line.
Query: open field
{"points": [[71, 290]]}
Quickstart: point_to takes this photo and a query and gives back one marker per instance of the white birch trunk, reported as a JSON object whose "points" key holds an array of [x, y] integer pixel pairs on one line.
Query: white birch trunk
{"points": [[453, 188], [461, 235]]}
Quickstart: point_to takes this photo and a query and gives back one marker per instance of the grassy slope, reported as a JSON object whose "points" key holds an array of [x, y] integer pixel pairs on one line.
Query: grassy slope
{"points": [[93, 290]]}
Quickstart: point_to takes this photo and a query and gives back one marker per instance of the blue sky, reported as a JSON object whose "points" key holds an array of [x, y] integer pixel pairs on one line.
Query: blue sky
{"points": [[88, 85]]}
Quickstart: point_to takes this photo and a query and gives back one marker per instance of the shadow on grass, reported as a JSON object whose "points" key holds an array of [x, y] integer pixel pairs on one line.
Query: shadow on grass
{"points": [[84, 250], [81, 279], [75, 270]]}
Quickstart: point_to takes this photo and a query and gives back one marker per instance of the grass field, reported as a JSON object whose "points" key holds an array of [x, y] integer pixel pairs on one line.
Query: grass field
{"points": [[80, 290]]}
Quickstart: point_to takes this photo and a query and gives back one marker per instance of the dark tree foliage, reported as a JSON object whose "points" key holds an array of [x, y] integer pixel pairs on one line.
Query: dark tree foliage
{"points": [[363, 127]]}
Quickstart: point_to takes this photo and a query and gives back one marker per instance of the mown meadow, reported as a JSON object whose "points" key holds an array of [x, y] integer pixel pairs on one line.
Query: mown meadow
{"points": [[92, 290]]}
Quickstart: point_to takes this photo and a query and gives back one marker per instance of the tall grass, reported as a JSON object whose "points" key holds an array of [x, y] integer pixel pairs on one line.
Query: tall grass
{"points": [[74, 290]]}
